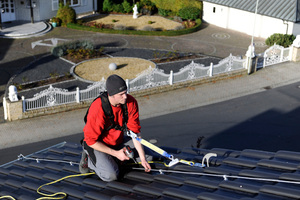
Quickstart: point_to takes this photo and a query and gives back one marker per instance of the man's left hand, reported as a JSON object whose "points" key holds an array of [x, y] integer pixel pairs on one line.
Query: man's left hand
{"points": [[146, 165]]}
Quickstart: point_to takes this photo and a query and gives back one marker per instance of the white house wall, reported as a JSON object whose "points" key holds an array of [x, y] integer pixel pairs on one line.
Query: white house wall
{"points": [[240, 21], [218, 18], [296, 28], [43, 9], [46, 10], [87, 7], [23, 12], [243, 21]]}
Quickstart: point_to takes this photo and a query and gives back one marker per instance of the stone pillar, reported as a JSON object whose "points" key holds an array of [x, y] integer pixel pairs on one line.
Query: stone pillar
{"points": [[296, 49], [14, 110], [12, 93], [296, 54], [250, 54]]}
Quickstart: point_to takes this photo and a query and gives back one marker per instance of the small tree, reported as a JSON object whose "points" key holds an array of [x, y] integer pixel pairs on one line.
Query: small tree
{"points": [[126, 6], [107, 6], [66, 14], [118, 8]]}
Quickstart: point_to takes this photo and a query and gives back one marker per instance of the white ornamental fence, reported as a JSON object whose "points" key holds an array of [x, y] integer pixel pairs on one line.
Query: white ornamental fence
{"points": [[56, 96], [277, 54]]}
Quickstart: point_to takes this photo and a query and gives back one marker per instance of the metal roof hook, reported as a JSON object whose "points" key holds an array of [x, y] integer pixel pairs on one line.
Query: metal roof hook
{"points": [[225, 178], [173, 162], [207, 157], [21, 157]]}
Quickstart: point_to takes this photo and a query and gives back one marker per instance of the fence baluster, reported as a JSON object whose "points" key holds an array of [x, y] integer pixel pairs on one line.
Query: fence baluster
{"points": [[5, 108], [211, 69], [171, 77], [23, 103]]}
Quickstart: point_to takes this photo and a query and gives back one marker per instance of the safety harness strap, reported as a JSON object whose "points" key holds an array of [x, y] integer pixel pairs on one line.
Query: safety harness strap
{"points": [[162, 152], [109, 113]]}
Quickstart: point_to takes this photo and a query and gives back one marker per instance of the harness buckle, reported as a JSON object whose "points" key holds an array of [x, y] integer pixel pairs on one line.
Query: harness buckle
{"points": [[131, 134]]}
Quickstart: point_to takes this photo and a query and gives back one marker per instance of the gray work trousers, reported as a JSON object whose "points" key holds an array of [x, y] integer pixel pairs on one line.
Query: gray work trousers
{"points": [[106, 166]]}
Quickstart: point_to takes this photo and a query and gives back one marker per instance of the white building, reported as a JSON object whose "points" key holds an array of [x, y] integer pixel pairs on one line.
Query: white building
{"points": [[20, 10], [273, 16]]}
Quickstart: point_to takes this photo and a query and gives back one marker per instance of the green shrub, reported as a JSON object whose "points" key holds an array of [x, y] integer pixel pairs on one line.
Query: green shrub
{"points": [[126, 6], [284, 40], [62, 49], [189, 13], [66, 14], [164, 12], [189, 24], [176, 5], [147, 7], [107, 6], [118, 8]]}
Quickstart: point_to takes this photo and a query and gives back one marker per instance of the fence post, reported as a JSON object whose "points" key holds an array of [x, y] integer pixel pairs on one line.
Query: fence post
{"points": [[171, 78], [23, 104], [5, 108], [127, 83], [77, 95], [291, 49], [211, 69]]}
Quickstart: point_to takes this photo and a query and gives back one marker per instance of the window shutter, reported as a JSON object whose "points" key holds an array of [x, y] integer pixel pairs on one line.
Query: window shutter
{"points": [[55, 5]]}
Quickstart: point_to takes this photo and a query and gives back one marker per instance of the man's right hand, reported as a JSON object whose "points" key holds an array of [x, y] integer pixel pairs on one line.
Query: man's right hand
{"points": [[120, 154], [99, 146]]}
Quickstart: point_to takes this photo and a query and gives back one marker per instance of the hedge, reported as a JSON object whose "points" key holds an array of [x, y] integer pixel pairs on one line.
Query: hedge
{"points": [[177, 4], [284, 40]]}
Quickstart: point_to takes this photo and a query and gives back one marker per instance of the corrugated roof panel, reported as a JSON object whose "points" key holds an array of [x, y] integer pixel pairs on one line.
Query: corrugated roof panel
{"points": [[267, 7], [298, 11], [288, 10]]}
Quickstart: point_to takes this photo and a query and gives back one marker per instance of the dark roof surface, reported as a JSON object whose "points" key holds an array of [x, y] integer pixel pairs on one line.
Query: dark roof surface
{"points": [[22, 178], [282, 9]]}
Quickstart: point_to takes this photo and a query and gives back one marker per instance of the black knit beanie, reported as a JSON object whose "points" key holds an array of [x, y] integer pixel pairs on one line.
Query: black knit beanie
{"points": [[115, 84]]}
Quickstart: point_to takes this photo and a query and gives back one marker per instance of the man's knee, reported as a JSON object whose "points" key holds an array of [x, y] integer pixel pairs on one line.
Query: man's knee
{"points": [[108, 177]]}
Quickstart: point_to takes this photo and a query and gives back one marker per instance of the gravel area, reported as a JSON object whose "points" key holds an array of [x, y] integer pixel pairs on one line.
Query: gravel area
{"points": [[127, 68], [157, 22]]}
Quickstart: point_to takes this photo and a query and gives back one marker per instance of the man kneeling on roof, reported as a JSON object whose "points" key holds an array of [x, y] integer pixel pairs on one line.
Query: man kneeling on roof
{"points": [[106, 120]]}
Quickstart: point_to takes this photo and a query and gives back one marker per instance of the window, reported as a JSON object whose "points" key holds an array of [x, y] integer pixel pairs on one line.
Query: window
{"points": [[54, 4], [70, 2]]}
